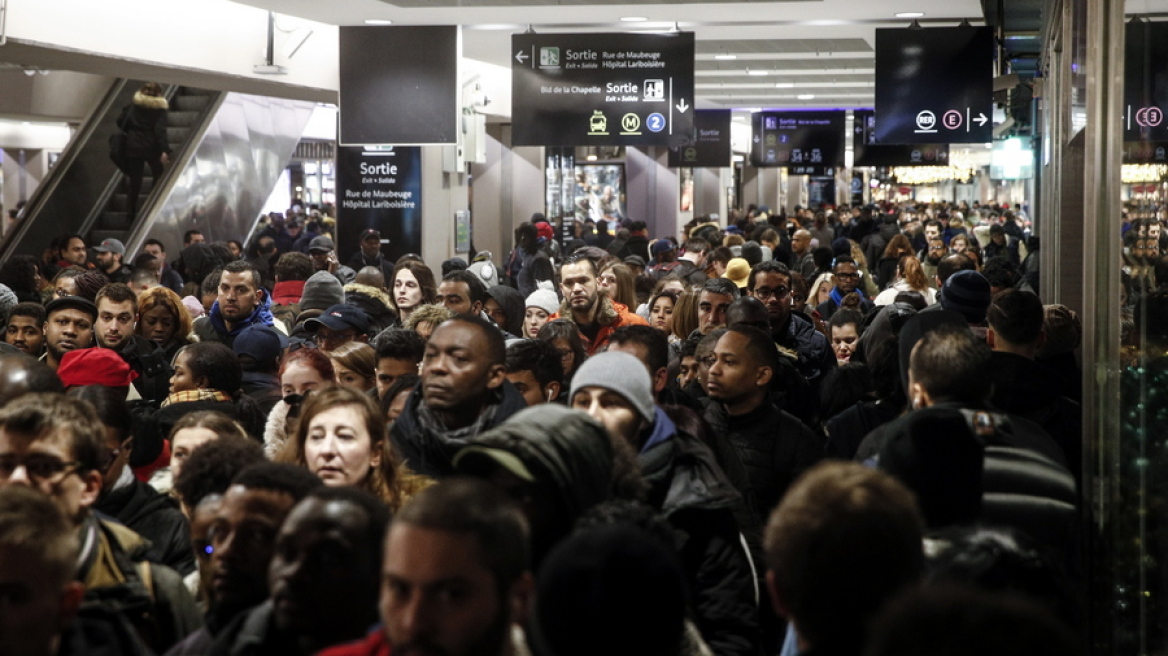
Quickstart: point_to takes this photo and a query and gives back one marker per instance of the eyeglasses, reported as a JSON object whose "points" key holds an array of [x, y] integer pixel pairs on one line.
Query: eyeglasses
{"points": [[39, 467], [847, 276], [708, 361], [61, 293], [762, 293]]}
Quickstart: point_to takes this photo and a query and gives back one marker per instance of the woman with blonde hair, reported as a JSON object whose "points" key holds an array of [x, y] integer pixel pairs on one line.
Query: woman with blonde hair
{"points": [[910, 277], [685, 314], [343, 439], [164, 320]]}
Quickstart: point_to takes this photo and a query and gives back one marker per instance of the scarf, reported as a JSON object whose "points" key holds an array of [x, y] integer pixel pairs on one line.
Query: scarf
{"points": [[197, 395], [837, 296]]}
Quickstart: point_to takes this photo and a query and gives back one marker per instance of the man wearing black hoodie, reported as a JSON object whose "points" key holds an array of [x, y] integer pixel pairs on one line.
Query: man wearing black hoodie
{"points": [[464, 392]]}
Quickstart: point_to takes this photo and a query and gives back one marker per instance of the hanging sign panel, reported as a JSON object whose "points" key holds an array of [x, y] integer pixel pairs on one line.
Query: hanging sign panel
{"points": [[609, 89], [711, 141], [934, 85], [866, 152], [399, 85], [1145, 93], [795, 138], [379, 189]]}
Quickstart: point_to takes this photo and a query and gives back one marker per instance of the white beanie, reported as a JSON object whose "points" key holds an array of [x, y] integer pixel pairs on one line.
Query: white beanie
{"points": [[622, 373], [544, 298]]}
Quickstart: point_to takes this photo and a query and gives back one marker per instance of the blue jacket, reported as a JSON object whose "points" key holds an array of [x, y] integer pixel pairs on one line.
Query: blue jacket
{"points": [[213, 328]]}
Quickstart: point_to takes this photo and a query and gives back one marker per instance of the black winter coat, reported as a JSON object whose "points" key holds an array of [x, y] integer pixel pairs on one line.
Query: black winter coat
{"points": [[157, 518], [144, 122]]}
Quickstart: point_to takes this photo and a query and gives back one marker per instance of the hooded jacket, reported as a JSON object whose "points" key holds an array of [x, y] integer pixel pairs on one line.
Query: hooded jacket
{"points": [[212, 327], [691, 491], [513, 304], [374, 302], [429, 449], [155, 517], [144, 122]]}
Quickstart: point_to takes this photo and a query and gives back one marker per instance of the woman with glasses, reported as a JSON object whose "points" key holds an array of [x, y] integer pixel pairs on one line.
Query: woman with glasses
{"points": [[563, 334], [343, 439], [65, 283]]}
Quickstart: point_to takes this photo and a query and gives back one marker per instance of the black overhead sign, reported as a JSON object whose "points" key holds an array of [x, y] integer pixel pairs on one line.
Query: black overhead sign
{"points": [[934, 85], [399, 85], [866, 152], [794, 138], [1145, 91], [379, 189], [602, 89], [711, 141]]}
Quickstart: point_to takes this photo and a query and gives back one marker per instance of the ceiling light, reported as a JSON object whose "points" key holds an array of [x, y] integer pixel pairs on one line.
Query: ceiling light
{"points": [[910, 14], [725, 56], [378, 21], [755, 72], [634, 19], [785, 85], [805, 96]]}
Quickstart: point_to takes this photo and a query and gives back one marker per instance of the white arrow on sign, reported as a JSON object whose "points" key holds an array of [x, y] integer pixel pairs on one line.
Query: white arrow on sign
{"points": [[681, 106], [981, 119], [520, 56]]}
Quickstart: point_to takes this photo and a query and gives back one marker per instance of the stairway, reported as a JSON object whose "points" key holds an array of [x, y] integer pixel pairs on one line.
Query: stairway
{"points": [[188, 110]]}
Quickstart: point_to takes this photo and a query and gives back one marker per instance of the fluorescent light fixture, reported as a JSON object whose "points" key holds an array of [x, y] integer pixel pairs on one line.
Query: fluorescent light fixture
{"points": [[725, 57], [910, 14], [756, 72], [784, 85], [378, 21], [591, 158], [634, 19], [806, 96]]}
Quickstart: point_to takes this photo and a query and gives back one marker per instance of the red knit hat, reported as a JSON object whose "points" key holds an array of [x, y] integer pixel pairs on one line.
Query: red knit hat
{"points": [[544, 229], [95, 366]]}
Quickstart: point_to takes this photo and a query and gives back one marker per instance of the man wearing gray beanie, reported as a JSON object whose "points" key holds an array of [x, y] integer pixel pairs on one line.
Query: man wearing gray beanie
{"points": [[687, 486], [322, 291]]}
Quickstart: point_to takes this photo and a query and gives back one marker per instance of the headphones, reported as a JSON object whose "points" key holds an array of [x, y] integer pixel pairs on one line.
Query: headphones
{"points": [[549, 396]]}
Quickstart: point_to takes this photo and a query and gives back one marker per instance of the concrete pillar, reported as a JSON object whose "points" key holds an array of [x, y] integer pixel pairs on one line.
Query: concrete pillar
{"points": [[654, 190], [507, 189], [443, 194]]}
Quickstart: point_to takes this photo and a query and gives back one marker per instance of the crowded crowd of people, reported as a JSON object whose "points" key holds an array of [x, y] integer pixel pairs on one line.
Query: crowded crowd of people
{"points": [[847, 431]]}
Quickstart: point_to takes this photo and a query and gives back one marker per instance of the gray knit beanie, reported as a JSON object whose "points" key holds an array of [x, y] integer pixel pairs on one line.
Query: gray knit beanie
{"points": [[544, 298], [621, 373], [8, 301], [321, 292]]}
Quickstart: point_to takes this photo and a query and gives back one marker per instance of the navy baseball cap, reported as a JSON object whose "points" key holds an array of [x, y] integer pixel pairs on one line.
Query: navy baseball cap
{"points": [[339, 318]]}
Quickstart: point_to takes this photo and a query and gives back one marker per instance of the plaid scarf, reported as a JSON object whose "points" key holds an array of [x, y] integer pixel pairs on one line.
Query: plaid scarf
{"points": [[197, 395]]}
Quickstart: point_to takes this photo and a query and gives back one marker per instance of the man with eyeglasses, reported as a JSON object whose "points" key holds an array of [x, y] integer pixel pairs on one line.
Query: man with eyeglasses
{"points": [[770, 282], [337, 326], [847, 281], [54, 444]]}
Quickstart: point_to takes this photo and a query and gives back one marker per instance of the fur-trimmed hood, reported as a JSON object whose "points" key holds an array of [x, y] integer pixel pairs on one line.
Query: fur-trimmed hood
{"points": [[150, 102], [608, 314]]}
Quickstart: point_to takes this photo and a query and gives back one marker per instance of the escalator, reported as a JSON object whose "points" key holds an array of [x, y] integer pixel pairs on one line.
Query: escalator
{"points": [[228, 150]]}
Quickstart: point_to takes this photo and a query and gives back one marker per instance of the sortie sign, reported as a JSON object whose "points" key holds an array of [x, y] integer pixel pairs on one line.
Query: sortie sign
{"points": [[607, 89]]}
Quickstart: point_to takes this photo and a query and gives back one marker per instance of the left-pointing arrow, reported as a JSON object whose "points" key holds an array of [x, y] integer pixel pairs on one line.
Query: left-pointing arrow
{"points": [[980, 119], [520, 56]]}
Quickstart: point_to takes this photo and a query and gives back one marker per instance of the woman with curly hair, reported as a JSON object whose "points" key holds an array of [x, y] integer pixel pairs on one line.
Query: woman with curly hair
{"points": [[22, 274], [164, 320], [342, 438]]}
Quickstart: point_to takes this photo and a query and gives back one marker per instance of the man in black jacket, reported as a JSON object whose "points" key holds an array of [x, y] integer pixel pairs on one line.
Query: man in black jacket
{"points": [[117, 318], [687, 487], [770, 282], [774, 446], [464, 391]]}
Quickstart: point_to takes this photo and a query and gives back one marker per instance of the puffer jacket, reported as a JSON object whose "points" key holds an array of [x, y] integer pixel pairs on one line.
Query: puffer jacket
{"points": [[774, 446], [428, 449], [691, 491]]}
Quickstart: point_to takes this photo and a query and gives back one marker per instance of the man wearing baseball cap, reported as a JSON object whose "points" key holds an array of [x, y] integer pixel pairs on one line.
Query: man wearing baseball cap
{"points": [[369, 254], [110, 254], [322, 250], [338, 325], [68, 326]]}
